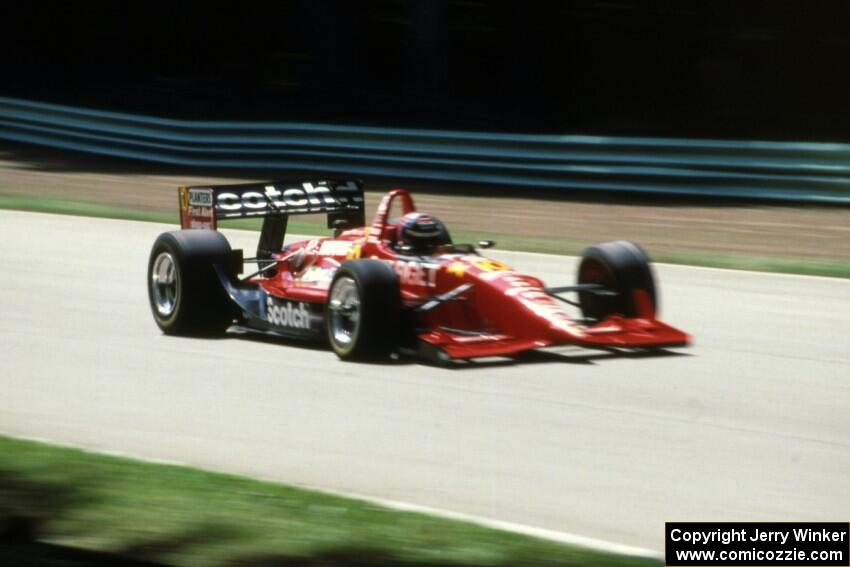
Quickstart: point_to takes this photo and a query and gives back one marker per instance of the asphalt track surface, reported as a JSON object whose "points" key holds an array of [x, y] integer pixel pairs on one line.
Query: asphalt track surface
{"points": [[751, 423]]}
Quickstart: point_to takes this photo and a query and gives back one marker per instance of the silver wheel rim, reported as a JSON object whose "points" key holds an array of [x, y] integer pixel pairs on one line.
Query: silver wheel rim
{"points": [[164, 279], [344, 309]]}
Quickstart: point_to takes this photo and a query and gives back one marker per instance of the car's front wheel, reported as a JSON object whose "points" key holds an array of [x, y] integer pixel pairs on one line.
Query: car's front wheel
{"points": [[621, 267]]}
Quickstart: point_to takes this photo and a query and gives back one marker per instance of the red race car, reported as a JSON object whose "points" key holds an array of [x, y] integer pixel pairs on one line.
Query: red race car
{"points": [[399, 285]]}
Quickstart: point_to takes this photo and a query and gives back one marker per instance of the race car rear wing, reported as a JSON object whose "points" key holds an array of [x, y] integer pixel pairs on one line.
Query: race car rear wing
{"points": [[342, 200], [201, 207]]}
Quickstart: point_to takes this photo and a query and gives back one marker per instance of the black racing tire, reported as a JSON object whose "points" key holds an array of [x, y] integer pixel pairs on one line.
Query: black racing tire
{"points": [[185, 294], [363, 313], [621, 266]]}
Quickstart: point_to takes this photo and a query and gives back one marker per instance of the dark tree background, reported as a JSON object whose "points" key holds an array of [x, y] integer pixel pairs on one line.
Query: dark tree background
{"points": [[716, 68]]}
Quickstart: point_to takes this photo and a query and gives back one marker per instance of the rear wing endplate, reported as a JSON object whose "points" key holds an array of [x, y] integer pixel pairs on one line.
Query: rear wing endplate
{"points": [[342, 200]]}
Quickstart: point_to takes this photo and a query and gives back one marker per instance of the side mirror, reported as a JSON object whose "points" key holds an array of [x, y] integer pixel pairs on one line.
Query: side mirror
{"points": [[340, 224], [486, 243]]}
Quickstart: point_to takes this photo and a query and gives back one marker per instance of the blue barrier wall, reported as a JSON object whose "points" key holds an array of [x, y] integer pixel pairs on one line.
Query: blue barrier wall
{"points": [[790, 171]]}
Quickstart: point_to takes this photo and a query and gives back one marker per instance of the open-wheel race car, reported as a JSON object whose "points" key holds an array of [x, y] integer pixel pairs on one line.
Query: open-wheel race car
{"points": [[398, 285]]}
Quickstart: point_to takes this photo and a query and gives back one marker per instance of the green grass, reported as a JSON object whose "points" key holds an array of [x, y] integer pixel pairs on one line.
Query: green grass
{"points": [[804, 266], [183, 516], [62, 207]]}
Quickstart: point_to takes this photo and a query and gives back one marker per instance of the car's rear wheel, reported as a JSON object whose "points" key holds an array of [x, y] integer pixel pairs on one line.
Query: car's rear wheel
{"points": [[620, 267], [363, 310], [184, 291]]}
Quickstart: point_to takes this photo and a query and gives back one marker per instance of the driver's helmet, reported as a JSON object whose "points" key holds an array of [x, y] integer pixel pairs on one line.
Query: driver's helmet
{"points": [[421, 233]]}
